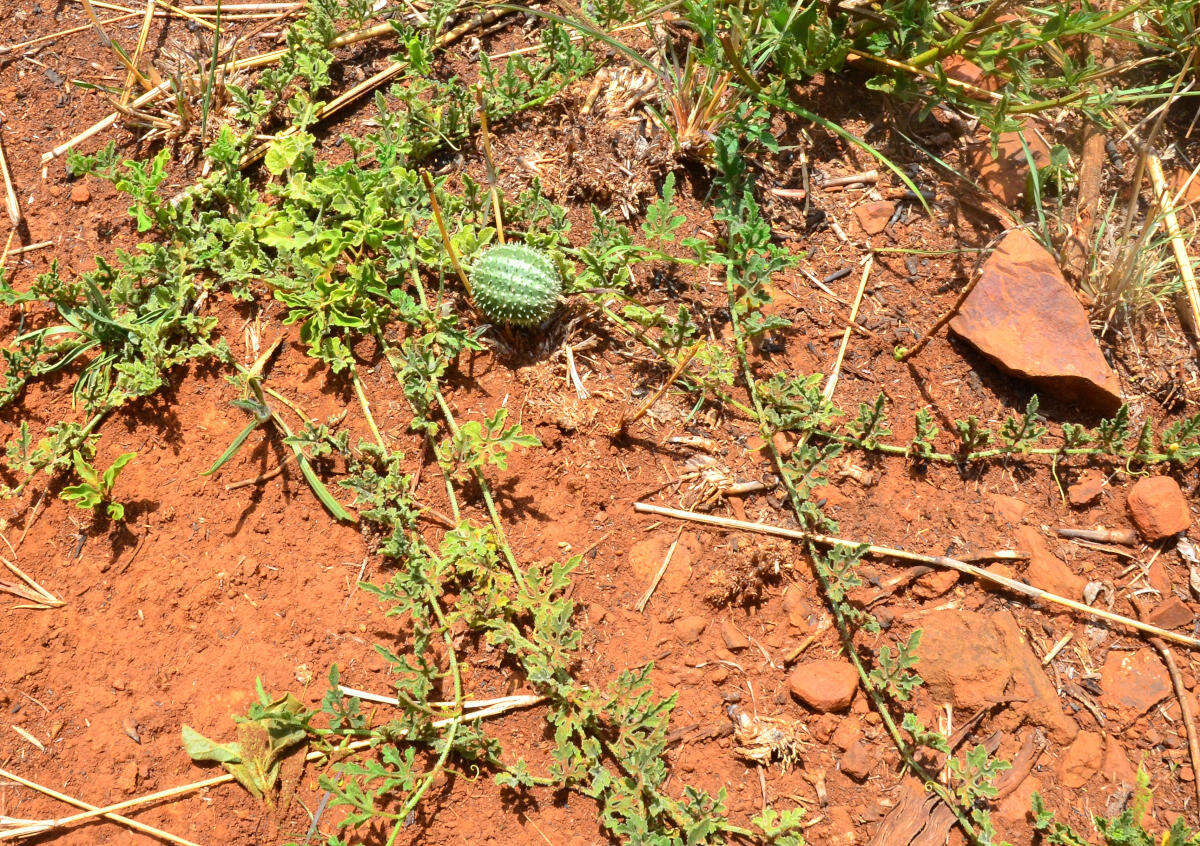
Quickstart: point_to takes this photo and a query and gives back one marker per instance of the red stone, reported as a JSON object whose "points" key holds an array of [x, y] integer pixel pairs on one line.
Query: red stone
{"points": [[874, 217], [1087, 490], [1006, 175], [824, 685], [1008, 509], [733, 637], [689, 629], [1082, 759], [1172, 614], [1132, 683], [1023, 316], [858, 761], [1158, 507], [1044, 569]]}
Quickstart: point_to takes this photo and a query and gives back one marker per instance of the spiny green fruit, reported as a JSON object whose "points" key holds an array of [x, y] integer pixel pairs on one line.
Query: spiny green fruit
{"points": [[513, 283]]}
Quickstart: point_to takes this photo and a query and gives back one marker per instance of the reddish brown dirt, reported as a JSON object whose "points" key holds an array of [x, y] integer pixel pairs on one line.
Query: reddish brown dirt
{"points": [[170, 619]]}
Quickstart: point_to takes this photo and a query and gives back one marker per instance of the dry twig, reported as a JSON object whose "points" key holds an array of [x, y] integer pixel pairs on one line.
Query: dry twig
{"points": [[1181, 693], [831, 385], [905, 555]]}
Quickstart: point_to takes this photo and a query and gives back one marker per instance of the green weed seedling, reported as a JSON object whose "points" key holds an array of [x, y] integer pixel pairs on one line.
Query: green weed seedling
{"points": [[95, 488]]}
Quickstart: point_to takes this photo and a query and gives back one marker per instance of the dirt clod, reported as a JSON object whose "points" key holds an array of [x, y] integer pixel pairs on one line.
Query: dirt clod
{"points": [[689, 629], [858, 761], [1087, 490], [1172, 614], [874, 217], [1082, 759], [733, 637]]}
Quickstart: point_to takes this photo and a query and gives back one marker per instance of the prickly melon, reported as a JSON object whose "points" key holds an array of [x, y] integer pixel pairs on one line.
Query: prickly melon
{"points": [[516, 284]]}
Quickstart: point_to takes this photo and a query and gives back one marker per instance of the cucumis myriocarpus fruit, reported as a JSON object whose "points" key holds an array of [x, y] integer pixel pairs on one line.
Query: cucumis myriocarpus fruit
{"points": [[516, 284]]}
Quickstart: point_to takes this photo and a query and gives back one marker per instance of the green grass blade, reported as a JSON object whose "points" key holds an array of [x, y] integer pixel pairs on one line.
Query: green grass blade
{"points": [[588, 29], [864, 146], [233, 448], [318, 487]]}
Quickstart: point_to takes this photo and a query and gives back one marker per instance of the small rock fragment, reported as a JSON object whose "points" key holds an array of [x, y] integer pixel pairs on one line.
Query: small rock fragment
{"points": [[858, 761], [1172, 614], [1116, 767], [1045, 570], [1087, 490], [874, 217], [131, 729], [1008, 509], [733, 637], [1158, 507], [1082, 759], [824, 685], [935, 584], [688, 629], [1132, 683], [80, 193], [1024, 316], [847, 733]]}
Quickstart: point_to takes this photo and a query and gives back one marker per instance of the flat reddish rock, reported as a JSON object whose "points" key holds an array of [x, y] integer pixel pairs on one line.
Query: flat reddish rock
{"points": [[1132, 683], [1087, 490], [1046, 570], [974, 660], [1172, 614], [1006, 175], [824, 685], [1158, 507], [1023, 316], [1082, 760], [874, 217], [858, 761]]}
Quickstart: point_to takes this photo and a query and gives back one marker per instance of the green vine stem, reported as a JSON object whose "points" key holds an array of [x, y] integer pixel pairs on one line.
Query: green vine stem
{"points": [[841, 623]]}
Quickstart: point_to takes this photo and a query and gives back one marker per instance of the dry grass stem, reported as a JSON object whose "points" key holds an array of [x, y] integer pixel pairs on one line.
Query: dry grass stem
{"points": [[34, 592], [649, 402], [831, 384], [641, 603], [1178, 245], [137, 52], [489, 708], [62, 33], [520, 700], [43, 825], [905, 555], [10, 194]]}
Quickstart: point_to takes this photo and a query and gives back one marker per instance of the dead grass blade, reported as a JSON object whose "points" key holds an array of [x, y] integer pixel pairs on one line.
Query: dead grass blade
{"points": [[31, 591], [905, 555], [10, 194], [1178, 246]]}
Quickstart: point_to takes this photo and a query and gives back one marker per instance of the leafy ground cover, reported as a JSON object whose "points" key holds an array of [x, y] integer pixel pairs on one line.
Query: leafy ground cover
{"points": [[309, 520]]}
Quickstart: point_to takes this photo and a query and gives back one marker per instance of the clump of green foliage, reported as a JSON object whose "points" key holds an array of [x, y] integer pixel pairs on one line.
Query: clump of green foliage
{"points": [[95, 488], [1125, 829]]}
